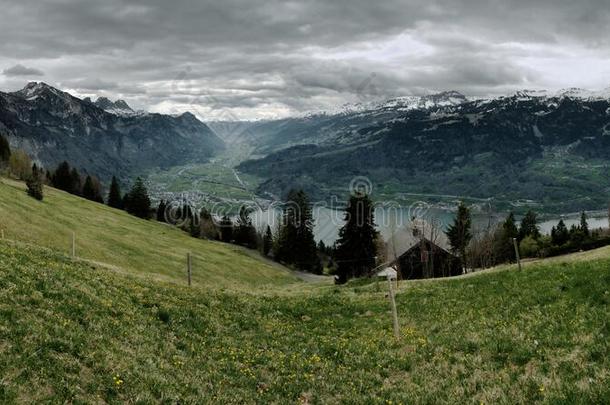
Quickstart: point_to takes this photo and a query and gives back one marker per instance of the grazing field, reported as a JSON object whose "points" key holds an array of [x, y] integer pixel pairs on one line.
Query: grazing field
{"points": [[72, 331], [142, 247]]}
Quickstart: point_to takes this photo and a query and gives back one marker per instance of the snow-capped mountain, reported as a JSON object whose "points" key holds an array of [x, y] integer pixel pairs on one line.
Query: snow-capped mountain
{"points": [[534, 145], [105, 138]]}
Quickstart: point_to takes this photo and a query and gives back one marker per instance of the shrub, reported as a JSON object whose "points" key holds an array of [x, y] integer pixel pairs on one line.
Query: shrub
{"points": [[34, 184], [529, 247]]}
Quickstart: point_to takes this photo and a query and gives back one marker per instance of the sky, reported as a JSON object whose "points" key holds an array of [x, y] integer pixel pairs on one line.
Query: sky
{"points": [[253, 59]]}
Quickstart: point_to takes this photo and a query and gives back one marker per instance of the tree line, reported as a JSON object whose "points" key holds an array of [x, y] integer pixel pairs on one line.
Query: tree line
{"points": [[495, 245], [292, 242], [65, 177]]}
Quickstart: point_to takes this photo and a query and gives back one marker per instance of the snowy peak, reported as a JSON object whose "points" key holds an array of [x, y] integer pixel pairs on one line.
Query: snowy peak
{"points": [[572, 92], [403, 103], [119, 107], [33, 90], [443, 99], [584, 94]]}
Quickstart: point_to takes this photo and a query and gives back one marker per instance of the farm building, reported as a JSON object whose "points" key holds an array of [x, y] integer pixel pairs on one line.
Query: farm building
{"points": [[421, 250]]}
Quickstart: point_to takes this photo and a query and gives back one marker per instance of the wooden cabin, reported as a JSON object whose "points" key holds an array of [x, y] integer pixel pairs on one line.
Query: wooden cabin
{"points": [[426, 259], [422, 251]]}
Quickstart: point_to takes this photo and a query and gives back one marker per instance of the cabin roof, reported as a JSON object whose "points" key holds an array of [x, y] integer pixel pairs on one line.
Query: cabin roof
{"points": [[410, 235]]}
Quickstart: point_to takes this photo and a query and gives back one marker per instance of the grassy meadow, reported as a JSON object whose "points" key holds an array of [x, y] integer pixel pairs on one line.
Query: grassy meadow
{"points": [[113, 237], [122, 326], [71, 331]]}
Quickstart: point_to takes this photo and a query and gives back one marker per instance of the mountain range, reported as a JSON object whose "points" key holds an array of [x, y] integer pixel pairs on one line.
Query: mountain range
{"points": [[528, 149], [550, 151], [104, 138]]}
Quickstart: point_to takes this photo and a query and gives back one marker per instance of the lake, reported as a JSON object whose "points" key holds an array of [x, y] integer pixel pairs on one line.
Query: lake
{"points": [[328, 221]]}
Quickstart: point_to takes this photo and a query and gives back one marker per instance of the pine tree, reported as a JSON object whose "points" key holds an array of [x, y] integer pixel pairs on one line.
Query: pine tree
{"points": [[560, 234], [245, 233], [114, 194], [97, 190], [125, 201], [267, 241], [138, 202], [459, 233], [226, 229], [529, 226], [61, 178], [504, 249], [75, 180], [161, 208], [34, 184], [5, 151], [356, 247], [207, 226], [584, 226], [88, 189], [296, 245]]}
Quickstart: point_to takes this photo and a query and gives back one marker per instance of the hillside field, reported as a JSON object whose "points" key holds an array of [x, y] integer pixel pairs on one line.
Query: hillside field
{"points": [[75, 332], [122, 326], [113, 237]]}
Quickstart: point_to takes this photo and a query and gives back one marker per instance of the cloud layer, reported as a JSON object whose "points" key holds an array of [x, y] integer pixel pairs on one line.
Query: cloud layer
{"points": [[20, 70], [258, 59]]}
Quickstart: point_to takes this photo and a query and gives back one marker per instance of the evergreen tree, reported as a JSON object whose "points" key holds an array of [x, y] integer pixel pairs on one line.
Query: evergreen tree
{"points": [[114, 194], [88, 190], [226, 229], [459, 233], [207, 226], [138, 202], [529, 226], [245, 233], [584, 226], [5, 151], [560, 234], [61, 178], [76, 185], [356, 247], [34, 184], [505, 250], [296, 245], [161, 208], [125, 201], [267, 241], [97, 190], [91, 189]]}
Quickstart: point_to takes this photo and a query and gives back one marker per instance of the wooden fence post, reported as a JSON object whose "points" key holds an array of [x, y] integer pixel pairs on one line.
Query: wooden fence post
{"points": [[394, 312], [517, 252], [188, 267], [73, 244]]}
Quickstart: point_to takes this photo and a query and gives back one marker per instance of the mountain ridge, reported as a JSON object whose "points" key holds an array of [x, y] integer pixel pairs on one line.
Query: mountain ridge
{"points": [[52, 126], [551, 150]]}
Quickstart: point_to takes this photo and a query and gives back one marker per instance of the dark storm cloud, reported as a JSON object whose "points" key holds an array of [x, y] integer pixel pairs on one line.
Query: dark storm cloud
{"points": [[20, 70], [290, 56]]}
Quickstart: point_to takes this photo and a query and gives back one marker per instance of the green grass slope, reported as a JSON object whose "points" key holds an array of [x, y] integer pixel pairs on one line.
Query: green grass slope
{"points": [[112, 236], [73, 332]]}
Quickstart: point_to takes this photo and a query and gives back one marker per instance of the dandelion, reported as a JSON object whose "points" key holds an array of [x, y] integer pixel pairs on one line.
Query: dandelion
{"points": [[117, 380]]}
